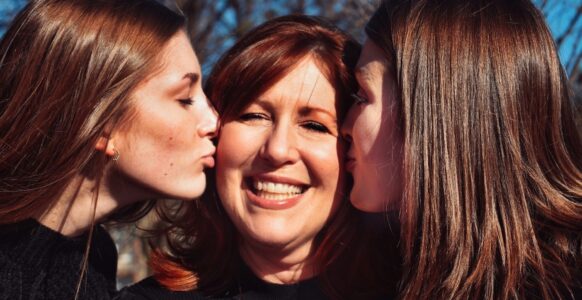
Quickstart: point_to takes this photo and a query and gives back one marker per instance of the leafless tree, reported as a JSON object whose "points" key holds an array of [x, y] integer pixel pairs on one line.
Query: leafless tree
{"points": [[566, 18], [215, 25]]}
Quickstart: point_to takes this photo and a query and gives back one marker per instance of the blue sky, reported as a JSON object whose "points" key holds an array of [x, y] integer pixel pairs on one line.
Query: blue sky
{"points": [[560, 14]]}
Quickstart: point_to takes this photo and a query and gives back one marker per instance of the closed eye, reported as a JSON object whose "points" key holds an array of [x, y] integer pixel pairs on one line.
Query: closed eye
{"points": [[253, 116], [186, 101], [359, 98], [315, 126], [255, 119]]}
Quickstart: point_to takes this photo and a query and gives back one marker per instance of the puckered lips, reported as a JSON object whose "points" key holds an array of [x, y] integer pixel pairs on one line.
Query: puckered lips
{"points": [[350, 163], [274, 192], [208, 158]]}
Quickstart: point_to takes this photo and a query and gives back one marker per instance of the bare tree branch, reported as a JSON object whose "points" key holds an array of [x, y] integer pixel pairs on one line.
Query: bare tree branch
{"points": [[574, 76], [573, 63], [570, 27]]}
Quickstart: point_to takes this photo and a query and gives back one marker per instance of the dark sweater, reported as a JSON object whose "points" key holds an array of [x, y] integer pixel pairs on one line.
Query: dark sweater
{"points": [[248, 287], [39, 263]]}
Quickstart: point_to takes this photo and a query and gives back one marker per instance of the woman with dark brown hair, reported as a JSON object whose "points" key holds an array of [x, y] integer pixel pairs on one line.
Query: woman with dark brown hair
{"points": [[464, 125], [101, 111], [275, 223]]}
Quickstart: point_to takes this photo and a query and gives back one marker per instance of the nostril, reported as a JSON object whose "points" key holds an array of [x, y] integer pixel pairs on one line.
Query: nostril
{"points": [[210, 129], [347, 138]]}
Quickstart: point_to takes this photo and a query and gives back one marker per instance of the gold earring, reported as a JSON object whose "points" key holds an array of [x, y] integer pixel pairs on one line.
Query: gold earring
{"points": [[115, 157]]}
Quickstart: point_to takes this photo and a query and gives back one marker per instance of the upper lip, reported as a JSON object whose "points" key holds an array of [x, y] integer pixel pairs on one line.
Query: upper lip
{"points": [[350, 157], [277, 179], [210, 152]]}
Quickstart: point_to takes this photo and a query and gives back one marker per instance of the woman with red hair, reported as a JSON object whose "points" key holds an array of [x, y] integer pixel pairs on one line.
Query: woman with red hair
{"points": [[275, 223]]}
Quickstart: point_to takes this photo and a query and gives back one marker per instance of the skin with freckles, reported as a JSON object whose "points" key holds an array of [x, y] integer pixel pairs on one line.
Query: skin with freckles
{"points": [[372, 126], [167, 145], [163, 147], [288, 136]]}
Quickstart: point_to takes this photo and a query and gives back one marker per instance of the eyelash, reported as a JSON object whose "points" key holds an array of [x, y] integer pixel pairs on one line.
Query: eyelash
{"points": [[309, 125], [359, 99], [252, 116], [186, 101], [314, 126]]}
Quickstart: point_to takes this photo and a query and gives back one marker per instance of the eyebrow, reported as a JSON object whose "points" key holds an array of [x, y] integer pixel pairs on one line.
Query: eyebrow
{"points": [[306, 110], [362, 73], [194, 77]]}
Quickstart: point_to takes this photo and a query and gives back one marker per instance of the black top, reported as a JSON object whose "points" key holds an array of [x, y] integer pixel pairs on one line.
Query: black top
{"points": [[248, 287], [39, 263], [254, 289]]}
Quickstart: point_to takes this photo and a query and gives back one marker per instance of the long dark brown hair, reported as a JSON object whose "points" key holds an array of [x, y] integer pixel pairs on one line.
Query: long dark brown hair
{"points": [[492, 207], [67, 70], [203, 243]]}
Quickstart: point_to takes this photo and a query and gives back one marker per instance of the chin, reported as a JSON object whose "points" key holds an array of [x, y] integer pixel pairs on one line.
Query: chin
{"points": [[194, 190], [271, 238], [367, 204]]}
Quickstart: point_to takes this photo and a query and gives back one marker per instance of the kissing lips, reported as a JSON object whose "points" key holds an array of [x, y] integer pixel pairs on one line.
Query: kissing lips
{"points": [[350, 165], [208, 161]]}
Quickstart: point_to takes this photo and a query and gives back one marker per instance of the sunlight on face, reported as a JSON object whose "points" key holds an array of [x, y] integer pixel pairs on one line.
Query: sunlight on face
{"points": [[279, 172], [167, 144], [375, 154]]}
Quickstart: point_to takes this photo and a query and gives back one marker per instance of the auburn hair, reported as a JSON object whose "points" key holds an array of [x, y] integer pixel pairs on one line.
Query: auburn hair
{"points": [[492, 204], [203, 242], [67, 71]]}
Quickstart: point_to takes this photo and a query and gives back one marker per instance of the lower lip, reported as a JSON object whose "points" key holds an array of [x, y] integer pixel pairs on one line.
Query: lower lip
{"points": [[208, 161], [273, 204]]}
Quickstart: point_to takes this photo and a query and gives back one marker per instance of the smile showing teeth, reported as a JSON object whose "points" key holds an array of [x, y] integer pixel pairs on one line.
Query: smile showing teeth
{"points": [[276, 191]]}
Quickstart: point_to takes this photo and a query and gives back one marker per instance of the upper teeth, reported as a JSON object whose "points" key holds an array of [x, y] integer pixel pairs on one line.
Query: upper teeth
{"points": [[277, 188]]}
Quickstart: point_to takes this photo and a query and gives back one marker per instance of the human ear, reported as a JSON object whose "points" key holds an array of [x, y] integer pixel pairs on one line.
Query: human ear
{"points": [[106, 145]]}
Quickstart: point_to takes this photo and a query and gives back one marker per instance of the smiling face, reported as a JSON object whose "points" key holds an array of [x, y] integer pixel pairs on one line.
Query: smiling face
{"points": [[372, 124], [278, 163], [166, 144]]}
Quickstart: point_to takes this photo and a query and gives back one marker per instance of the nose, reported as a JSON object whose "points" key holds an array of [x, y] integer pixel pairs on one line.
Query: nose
{"points": [[280, 148], [208, 126], [347, 126]]}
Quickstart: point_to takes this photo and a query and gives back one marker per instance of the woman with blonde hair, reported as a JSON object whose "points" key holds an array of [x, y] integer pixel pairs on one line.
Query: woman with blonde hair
{"points": [[101, 111], [464, 125]]}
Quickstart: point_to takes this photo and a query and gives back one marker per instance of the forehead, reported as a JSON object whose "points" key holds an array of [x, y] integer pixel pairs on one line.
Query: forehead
{"points": [[372, 62], [303, 85], [175, 62], [178, 54]]}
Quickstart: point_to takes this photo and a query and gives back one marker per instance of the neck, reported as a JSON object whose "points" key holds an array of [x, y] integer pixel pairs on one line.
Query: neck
{"points": [[280, 266], [86, 202]]}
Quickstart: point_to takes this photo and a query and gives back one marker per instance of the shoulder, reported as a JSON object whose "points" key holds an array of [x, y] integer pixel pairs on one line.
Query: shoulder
{"points": [[38, 262], [149, 288]]}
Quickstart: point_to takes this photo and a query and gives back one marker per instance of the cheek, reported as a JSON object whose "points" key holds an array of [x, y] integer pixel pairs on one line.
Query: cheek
{"points": [[367, 130], [390, 141], [237, 144], [329, 167], [167, 128], [159, 145], [325, 161]]}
